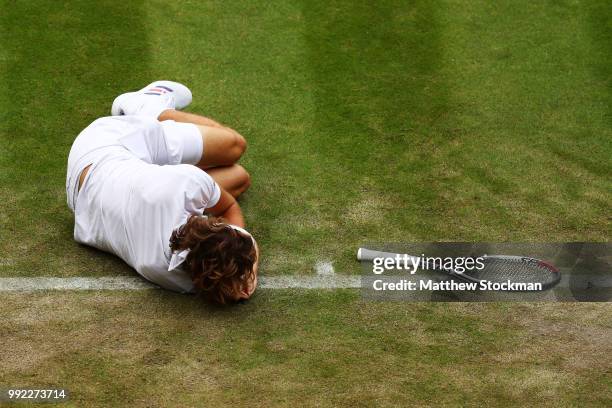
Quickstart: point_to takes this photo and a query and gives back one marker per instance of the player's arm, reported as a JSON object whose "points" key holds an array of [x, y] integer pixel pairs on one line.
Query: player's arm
{"points": [[228, 208]]}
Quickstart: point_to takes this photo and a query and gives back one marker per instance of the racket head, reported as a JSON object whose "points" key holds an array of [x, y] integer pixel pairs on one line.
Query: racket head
{"points": [[516, 269]]}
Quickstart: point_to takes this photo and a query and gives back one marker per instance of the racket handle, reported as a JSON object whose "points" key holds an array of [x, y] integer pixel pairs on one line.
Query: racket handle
{"points": [[364, 254]]}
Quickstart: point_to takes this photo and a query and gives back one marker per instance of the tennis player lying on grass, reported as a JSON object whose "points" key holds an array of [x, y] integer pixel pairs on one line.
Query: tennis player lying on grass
{"points": [[158, 187]]}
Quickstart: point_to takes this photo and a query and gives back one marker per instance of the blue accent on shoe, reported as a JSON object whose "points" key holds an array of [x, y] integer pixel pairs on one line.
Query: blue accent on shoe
{"points": [[164, 87]]}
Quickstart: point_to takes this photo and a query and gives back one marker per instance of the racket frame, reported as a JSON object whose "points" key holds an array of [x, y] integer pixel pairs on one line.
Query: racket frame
{"points": [[364, 254]]}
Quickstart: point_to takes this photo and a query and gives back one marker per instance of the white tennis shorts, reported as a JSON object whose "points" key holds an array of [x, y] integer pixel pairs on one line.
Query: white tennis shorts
{"points": [[131, 137]]}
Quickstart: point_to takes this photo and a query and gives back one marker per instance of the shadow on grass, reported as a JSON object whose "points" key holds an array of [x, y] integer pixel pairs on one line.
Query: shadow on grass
{"points": [[600, 19], [593, 151], [592, 145], [381, 109], [375, 68], [65, 62]]}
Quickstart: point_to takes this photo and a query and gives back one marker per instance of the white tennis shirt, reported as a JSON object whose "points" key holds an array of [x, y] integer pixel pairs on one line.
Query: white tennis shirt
{"points": [[129, 207]]}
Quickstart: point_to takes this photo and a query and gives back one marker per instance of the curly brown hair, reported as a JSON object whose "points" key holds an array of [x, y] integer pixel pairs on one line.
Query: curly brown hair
{"points": [[220, 261]]}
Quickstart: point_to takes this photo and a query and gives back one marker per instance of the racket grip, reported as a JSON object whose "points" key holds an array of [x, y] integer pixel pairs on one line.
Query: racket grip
{"points": [[364, 254]]}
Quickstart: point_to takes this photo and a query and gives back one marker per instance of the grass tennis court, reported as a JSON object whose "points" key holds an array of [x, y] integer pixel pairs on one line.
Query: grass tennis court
{"points": [[400, 121]]}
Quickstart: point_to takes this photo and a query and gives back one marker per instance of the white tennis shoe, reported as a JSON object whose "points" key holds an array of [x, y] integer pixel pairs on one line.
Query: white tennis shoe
{"points": [[152, 100]]}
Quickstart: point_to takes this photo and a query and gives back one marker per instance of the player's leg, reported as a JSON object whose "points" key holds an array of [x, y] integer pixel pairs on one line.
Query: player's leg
{"points": [[186, 117], [222, 146], [234, 179]]}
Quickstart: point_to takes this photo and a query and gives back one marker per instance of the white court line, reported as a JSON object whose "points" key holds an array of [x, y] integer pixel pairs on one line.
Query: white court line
{"points": [[135, 283], [270, 282], [324, 268]]}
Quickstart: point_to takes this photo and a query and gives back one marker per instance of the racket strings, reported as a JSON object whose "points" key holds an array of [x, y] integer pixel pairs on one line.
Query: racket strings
{"points": [[503, 270]]}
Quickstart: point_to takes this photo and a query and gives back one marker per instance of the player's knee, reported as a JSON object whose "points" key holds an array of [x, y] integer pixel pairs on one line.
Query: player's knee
{"points": [[235, 149], [239, 146], [247, 181], [244, 178]]}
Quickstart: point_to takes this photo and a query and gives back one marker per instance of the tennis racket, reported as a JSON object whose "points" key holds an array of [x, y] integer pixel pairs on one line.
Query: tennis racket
{"points": [[497, 269]]}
